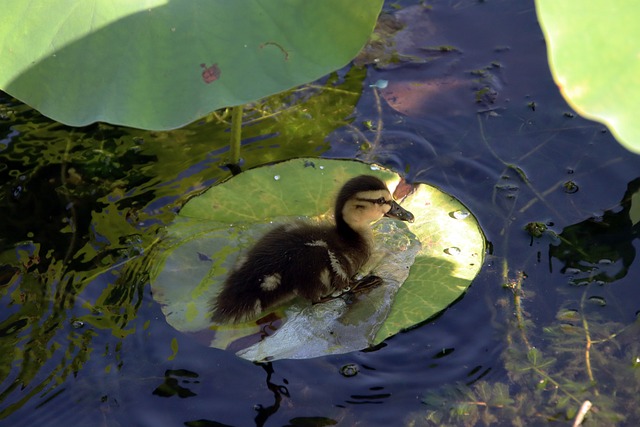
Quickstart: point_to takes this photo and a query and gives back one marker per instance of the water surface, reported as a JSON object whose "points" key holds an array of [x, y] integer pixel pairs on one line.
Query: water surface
{"points": [[84, 343]]}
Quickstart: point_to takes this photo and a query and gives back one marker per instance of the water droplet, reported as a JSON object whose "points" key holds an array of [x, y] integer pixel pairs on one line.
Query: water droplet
{"points": [[321, 167], [459, 214], [375, 167], [453, 250], [350, 370], [77, 324], [380, 84], [277, 177]]}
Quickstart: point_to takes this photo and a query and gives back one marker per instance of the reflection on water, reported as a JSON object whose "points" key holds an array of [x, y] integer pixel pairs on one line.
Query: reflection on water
{"points": [[601, 249], [83, 343]]}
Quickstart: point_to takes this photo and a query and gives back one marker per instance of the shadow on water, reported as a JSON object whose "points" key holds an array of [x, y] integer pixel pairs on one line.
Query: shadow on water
{"points": [[550, 322], [264, 412], [601, 248]]}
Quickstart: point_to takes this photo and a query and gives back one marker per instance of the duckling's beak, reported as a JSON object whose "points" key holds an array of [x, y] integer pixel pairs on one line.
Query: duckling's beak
{"points": [[399, 212]]}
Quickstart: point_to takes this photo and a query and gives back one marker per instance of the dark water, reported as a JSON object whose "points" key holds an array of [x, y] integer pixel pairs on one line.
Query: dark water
{"points": [[84, 344]]}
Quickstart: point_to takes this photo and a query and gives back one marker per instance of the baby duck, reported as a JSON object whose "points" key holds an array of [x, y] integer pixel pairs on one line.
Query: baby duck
{"points": [[311, 261]]}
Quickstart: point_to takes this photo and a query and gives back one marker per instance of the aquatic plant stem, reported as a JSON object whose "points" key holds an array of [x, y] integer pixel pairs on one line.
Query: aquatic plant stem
{"points": [[379, 124], [587, 349], [372, 146], [236, 134], [516, 287], [519, 172], [72, 206]]}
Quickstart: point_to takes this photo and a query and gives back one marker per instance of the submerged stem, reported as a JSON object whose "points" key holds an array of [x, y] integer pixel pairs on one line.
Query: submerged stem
{"points": [[379, 124], [373, 146], [72, 206], [516, 287], [236, 133], [587, 349]]}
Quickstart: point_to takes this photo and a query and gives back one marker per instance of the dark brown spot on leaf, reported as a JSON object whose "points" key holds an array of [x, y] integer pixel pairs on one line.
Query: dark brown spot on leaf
{"points": [[210, 74]]}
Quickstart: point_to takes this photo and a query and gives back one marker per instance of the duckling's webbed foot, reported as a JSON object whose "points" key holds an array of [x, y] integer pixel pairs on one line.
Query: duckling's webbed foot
{"points": [[366, 283], [356, 287]]}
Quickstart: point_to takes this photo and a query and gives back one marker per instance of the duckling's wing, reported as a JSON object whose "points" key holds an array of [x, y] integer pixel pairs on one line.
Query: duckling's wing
{"points": [[302, 257], [284, 263]]}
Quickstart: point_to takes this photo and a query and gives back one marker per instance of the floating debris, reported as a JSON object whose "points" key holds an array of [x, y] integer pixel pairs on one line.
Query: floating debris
{"points": [[350, 370], [535, 229], [570, 187], [598, 301]]}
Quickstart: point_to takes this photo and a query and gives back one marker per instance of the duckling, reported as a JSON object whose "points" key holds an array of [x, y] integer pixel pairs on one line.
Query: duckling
{"points": [[310, 261]]}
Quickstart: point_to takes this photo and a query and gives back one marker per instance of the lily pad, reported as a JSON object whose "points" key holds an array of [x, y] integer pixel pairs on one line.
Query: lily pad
{"points": [[160, 64], [593, 55], [425, 265]]}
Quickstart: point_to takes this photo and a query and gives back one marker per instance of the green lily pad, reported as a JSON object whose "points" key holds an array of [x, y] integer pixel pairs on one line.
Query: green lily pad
{"points": [[425, 265], [161, 64], [593, 54]]}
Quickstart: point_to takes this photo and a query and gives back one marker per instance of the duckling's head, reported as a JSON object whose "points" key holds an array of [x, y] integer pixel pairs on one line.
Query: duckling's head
{"points": [[364, 200]]}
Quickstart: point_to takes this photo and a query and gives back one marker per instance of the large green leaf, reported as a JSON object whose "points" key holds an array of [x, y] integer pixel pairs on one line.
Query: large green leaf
{"points": [[444, 249], [158, 64], [593, 54]]}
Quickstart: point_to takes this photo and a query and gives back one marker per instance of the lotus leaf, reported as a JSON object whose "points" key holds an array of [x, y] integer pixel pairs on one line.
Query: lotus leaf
{"points": [[425, 265], [161, 64], [593, 54]]}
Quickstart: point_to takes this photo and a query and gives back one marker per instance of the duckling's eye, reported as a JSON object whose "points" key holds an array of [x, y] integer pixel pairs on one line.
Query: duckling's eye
{"points": [[381, 201]]}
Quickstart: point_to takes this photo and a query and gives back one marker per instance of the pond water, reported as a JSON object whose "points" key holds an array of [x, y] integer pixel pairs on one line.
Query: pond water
{"points": [[471, 108]]}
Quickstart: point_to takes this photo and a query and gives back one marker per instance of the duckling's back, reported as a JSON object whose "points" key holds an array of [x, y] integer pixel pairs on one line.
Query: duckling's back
{"points": [[295, 259]]}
